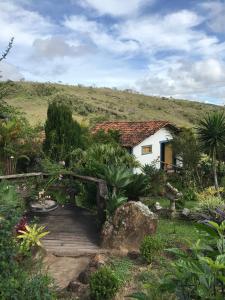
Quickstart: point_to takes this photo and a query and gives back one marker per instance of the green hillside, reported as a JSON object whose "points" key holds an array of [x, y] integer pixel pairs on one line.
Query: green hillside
{"points": [[93, 104]]}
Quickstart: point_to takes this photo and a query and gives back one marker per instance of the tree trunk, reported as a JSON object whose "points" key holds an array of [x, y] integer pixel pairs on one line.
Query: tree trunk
{"points": [[215, 172]]}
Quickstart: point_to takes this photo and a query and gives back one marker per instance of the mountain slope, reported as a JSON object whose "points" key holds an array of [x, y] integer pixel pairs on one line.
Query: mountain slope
{"points": [[93, 104]]}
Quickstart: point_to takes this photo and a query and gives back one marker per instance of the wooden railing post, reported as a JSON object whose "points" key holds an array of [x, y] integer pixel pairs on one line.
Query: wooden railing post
{"points": [[102, 194]]}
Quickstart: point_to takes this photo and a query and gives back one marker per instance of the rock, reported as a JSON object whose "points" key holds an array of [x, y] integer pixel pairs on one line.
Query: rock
{"points": [[133, 254], [186, 212], [157, 206], [76, 287], [96, 262], [127, 228]]}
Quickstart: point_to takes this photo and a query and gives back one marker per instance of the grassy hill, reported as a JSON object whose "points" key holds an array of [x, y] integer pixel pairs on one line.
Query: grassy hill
{"points": [[90, 105]]}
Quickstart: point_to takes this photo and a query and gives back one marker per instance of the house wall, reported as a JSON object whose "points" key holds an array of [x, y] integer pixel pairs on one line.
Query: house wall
{"points": [[160, 136]]}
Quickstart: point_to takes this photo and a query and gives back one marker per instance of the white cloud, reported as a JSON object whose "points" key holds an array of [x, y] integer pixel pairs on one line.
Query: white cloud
{"points": [[9, 72], [216, 15], [99, 35], [183, 79], [23, 24], [56, 46], [115, 7], [175, 31]]}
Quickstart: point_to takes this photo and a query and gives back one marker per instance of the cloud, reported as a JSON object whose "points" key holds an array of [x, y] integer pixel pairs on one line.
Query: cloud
{"points": [[9, 72], [185, 79], [174, 31], [56, 46], [99, 35], [23, 24], [115, 7], [216, 15]]}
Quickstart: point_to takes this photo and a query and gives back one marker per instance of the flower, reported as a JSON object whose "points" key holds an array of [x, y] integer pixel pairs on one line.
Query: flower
{"points": [[21, 225]]}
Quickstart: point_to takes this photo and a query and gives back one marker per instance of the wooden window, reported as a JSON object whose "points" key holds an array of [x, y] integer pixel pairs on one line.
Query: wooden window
{"points": [[146, 149]]}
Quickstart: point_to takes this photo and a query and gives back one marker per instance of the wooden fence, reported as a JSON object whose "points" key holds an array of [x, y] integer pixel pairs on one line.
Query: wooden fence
{"points": [[102, 190]]}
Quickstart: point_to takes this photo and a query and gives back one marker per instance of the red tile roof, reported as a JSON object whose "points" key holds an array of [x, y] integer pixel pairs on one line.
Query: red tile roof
{"points": [[132, 133]]}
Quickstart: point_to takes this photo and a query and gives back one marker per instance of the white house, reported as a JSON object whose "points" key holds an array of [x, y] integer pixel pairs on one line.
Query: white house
{"points": [[148, 141]]}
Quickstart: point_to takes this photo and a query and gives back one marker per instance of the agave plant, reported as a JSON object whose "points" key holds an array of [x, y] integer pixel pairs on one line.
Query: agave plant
{"points": [[118, 178]]}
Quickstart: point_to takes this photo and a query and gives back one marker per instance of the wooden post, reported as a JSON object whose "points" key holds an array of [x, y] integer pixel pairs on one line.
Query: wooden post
{"points": [[102, 194]]}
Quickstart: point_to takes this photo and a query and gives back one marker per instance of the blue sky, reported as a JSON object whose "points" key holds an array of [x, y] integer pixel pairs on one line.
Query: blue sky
{"points": [[158, 47]]}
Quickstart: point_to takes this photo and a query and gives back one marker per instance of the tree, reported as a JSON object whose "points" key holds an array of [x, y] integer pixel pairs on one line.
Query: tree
{"points": [[211, 135], [62, 133], [186, 149]]}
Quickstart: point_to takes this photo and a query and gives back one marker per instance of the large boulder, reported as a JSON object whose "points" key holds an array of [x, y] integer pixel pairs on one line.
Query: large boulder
{"points": [[127, 228]]}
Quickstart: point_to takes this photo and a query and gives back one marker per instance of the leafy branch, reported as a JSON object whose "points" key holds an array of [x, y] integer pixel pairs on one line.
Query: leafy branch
{"points": [[7, 50]]}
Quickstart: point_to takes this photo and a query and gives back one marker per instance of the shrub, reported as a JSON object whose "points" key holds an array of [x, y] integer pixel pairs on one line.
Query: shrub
{"points": [[156, 178], [104, 284], [31, 236], [113, 202], [16, 279], [199, 273], [210, 202], [122, 268], [208, 199], [150, 247], [138, 187]]}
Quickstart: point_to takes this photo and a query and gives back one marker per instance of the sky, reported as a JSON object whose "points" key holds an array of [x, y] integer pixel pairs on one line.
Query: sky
{"points": [[171, 48]]}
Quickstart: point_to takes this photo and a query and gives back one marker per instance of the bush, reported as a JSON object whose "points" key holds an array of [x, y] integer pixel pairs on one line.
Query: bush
{"points": [[210, 202], [17, 279], [199, 273], [208, 199], [104, 284], [150, 247], [156, 178]]}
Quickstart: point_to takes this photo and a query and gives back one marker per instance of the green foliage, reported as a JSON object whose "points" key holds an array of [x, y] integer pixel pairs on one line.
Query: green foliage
{"points": [[17, 279], [113, 202], [209, 200], [51, 167], [186, 148], [138, 187], [211, 135], [42, 89], [107, 161], [199, 274], [9, 199], [104, 284], [62, 133], [17, 138], [31, 237], [118, 178], [190, 195], [156, 179], [123, 269], [96, 158], [110, 137], [211, 132], [150, 247]]}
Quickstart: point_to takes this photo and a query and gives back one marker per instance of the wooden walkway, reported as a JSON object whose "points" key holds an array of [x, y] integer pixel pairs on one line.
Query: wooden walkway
{"points": [[73, 232]]}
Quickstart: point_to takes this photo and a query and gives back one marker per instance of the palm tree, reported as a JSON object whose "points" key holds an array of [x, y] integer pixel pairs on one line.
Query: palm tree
{"points": [[211, 134]]}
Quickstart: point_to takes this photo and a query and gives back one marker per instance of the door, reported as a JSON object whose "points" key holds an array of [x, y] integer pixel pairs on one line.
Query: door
{"points": [[168, 157]]}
